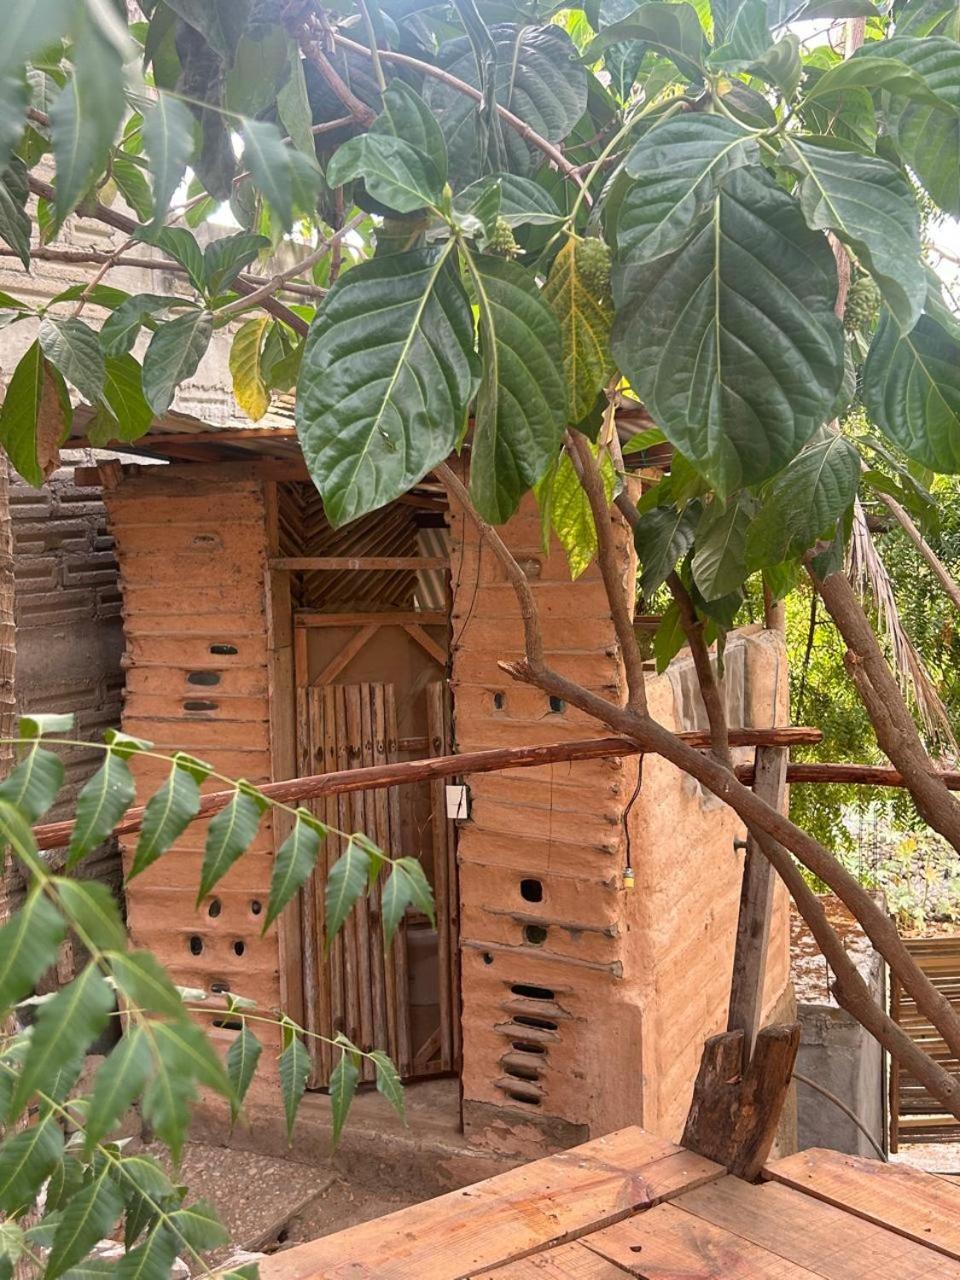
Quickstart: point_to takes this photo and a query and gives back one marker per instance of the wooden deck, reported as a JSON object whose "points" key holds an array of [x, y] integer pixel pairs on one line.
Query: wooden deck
{"points": [[636, 1204]]}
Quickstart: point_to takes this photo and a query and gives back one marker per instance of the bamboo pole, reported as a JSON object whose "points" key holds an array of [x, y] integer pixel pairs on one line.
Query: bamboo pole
{"points": [[54, 835]]}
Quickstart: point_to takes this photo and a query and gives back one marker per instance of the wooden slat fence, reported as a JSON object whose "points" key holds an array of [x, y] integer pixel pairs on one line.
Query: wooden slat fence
{"points": [[914, 1115]]}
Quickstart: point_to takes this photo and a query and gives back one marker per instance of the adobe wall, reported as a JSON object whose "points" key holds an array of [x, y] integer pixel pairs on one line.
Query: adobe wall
{"points": [[586, 1010]]}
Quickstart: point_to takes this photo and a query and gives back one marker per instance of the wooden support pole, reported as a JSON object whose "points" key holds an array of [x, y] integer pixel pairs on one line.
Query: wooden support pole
{"points": [[756, 904], [735, 1110], [54, 835]]}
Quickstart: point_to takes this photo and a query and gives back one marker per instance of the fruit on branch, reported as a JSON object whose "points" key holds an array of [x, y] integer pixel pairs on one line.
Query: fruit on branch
{"points": [[862, 306], [502, 241], [593, 266]]}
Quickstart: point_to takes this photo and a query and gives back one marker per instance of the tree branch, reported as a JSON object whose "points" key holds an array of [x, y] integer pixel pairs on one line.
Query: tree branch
{"points": [[710, 689], [930, 557], [358, 110]]}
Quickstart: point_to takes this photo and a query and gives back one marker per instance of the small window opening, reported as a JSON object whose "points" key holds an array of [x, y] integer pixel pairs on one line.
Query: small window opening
{"points": [[256, 906], [196, 945], [528, 1046], [499, 701], [557, 705], [541, 1024], [532, 993], [520, 1072], [535, 934], [238, 948], [531, 890], [224, 650]]}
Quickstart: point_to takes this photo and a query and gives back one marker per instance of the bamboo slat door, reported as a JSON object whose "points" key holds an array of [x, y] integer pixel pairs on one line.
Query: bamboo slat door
{"points": [[360, 986]]}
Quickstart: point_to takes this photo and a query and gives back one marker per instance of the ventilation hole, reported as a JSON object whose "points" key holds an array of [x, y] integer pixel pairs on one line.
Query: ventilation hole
{"points": [[228, 1024], [541, 1024], [636, 1248], [256, 906], [532, 993], [206, 540], [499, 701], [200, 704], [520, 1072], [203, 677], [528, 1046], [283, 1235], [214, 908], [196, 944], [487, 958], [219, 988], [516, 1096], [224, 650], [531, 890], [238, 948], [535, 934], [557, 705]]}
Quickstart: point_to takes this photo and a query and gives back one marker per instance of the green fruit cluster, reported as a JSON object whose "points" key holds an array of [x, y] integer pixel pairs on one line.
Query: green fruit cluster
{"points": [[863, 303], [592, 257], [502, 241]]}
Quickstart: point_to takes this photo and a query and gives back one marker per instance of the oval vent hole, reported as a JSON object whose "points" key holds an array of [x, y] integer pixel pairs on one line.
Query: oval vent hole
{"points": [[224, 650], [196, 945], [214, 908], [531, 890], [516, 1096], [200, 704], [532, 993], [528, 1046], [238, 948], [541, 1024], [535, 934], [205, 678]]}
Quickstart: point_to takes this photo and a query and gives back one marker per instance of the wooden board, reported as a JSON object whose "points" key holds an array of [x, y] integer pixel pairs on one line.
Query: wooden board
{"points": [[533, 1207], [668, 1243], [830, 1241], [906, 1200], [914, 1115]]}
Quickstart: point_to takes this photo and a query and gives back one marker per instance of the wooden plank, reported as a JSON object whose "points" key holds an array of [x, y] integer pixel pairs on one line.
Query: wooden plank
{"points": [[331, 815], [345, 823], [756, 905], [283, 733], [666, 1243], [313, 1020], [504, 1218], [914, 1204], [438, 832], [313, 564], [564, 1262], [429, 645], [400, 968], [396, 618], [346, 655], [830, 1241], [378, 828]]}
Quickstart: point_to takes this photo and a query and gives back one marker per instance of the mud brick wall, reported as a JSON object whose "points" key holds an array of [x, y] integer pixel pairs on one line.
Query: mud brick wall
{"points": [[585, 1004], [192, 553]]}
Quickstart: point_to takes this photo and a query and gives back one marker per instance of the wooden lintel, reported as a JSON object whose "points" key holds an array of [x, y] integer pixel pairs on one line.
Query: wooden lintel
{"points": [[311, 564], [400, 618]]}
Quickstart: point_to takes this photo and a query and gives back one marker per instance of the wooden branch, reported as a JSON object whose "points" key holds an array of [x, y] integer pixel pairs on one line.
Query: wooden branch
{"points": [[581, 455], [358, 110], [711, 688], [53, 835], [867, 775], [735, 1110], [950, 587], [896, 731]]}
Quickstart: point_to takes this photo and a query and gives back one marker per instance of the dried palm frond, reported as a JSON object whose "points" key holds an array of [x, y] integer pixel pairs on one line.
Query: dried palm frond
{"points": [[869, 577]]}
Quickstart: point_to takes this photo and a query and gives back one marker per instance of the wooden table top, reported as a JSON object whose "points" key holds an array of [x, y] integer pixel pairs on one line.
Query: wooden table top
{"points": [[637, 1204]]}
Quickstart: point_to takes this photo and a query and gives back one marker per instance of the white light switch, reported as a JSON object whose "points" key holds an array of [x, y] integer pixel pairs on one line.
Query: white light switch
{"points": [[458, 804]]}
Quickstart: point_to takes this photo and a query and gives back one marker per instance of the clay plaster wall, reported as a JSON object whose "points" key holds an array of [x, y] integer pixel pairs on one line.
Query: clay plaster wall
{"points": [[586, 1009]]}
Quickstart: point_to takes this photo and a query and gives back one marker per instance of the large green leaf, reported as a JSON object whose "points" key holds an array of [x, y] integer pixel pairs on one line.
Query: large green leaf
{"points": [[229, 833], [33, 785], [522, 201], [394, 172], [405, 115], [343, 1088], [678, 166], [123, 413], [87, 1217], [405, 885], [92, 911], [719, 558], [117, 1084], [929, 18], [168, 140], [72, 347], [389, 1082], [198, 1225], [14, 100], [585, 323], [805, 501], [27, 1158], [29, 942], [911, 387], [225, 257], [33, 416], [85, 117], [387, 374], [29, 28], [295, 861], [15, 222], [65, 1028], [145, 983], [246, 368], [345, 883], [293, 105], [241, 1062], [756, 365], [174, 354], [169, 812], [122, 326], [662, 537], [538, 77], [102, 802], [294, 1070], [929, 141], [565, 509], [873, 72], [871, 206], [521, 410], [935, 59], [220, 22], [673, 29], [287, 179]]}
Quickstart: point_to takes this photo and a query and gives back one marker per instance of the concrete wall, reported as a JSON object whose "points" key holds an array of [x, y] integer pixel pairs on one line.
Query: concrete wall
{"points": [[835, 1051], [586, 1009]]}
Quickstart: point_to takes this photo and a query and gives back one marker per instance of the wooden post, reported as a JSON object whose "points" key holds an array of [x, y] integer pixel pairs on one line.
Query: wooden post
{"points": [[735, 1110], [756, 900]]}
